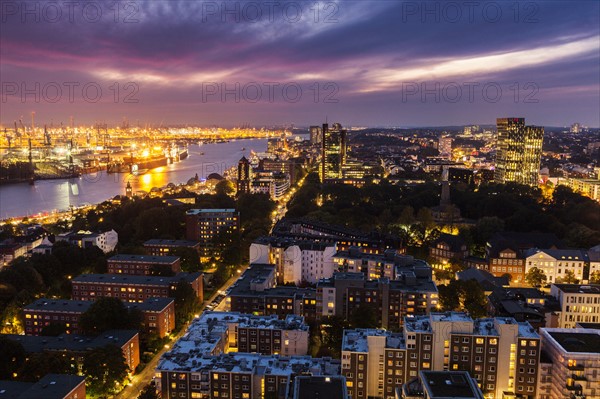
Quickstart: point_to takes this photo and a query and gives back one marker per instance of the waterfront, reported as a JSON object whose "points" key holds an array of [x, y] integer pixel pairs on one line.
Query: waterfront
{"points": [[22, 199]]}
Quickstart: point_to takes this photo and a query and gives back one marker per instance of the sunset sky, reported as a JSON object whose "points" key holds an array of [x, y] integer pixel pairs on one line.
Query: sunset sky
{"points": [[369, 61]]}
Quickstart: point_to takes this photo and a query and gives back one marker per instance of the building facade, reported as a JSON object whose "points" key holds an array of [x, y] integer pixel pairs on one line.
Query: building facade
{"points": [[578, 304], [143, 265], [518, 152], [213, 228]]}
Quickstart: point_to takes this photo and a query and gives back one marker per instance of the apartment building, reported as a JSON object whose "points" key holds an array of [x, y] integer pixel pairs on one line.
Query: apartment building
{"points": [[143, 265], [555, 263], [501, 354], [88, 287], [76, 346], [159, 314], [297, 261], [389, 264], [412, 293], [50, 386], [570, 363], [256, 292], [207, 226], [222, 332], [184, 373], [578, 304], [161, 247], [447, 249]]}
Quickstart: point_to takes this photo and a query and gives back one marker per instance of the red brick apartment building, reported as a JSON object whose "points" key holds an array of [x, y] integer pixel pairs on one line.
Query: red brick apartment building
{"points": [[88, 287], [159, 314], [143, 265]]}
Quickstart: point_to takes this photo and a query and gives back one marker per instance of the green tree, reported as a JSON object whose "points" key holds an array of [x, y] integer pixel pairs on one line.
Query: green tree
{"points": [[535, 277], [40, 364], [109, 314], [149, 392], [364, 316], [463, 295], [12, 358], [595, 277], [570, 277], [190, 260], [105, 370], [186, 303], [224, 187]]}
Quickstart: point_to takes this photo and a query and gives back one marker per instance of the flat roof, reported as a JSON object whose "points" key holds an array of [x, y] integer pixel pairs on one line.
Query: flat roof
{"points": [[143, 258], [59, 305], [313, 387], [72, 342], [450, 384], [579, 288], [53, 386], [578, 341], [171, 243], [133, 279], [199, 211], [13, 389]]}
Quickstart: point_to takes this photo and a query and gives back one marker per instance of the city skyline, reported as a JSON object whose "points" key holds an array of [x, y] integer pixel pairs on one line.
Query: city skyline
{"points": [[368, 64]]}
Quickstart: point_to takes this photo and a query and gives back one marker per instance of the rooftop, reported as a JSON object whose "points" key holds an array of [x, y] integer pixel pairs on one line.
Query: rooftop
{"points": [[207, 211], [579, 288], [59, 305], [171, 243], [53, 386], [72, 342], [357, 340], [578, 340], [137, 280], [313, 387], [449, 384], [143, 258]]}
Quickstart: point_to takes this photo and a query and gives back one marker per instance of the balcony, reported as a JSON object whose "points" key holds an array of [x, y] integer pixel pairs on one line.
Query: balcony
{"points": [[574, 387], [576, 367], [578, 377]]}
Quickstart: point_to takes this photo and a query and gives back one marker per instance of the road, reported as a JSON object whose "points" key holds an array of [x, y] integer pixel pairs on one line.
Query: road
{"points": [[139, 381]]}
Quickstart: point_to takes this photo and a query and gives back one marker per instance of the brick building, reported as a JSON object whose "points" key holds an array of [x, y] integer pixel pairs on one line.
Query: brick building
{"points": [[143, 265]]}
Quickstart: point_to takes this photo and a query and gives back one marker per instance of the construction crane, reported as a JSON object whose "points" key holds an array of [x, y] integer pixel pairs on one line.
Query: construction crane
{"points": [[8, 138], [32, 121]]}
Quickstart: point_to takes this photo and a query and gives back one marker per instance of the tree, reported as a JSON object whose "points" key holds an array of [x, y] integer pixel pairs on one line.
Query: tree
{"points": [[109, 314], [105, 370], [190, 260], [224, 187], [12, 357], [149, 392], [186, 303], [535, 277], [53, 329], [364, 316], [463, 295], [40, 364], [570, 278], [595, 277]]}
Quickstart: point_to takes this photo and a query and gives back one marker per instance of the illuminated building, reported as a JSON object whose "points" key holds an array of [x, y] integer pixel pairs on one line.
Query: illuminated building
{"points": [[143, 264], [316, 135], [209, 226], [129, 190], [333, 151], [588, 187], [571, 363], [500, 353], [518, 152], [445, 147], [578, 304], [243, 177]]}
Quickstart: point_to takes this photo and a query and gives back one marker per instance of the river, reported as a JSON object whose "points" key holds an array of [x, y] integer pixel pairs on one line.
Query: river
{"points": [[22, 199]]}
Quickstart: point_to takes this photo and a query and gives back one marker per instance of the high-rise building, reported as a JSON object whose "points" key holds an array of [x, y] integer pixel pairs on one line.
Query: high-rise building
{"points": [[333, 151], [518, 151], [501, 354], [445, 147], [243, 177], [212, 227], [316, 134], [129, 190], [575, 128]]}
